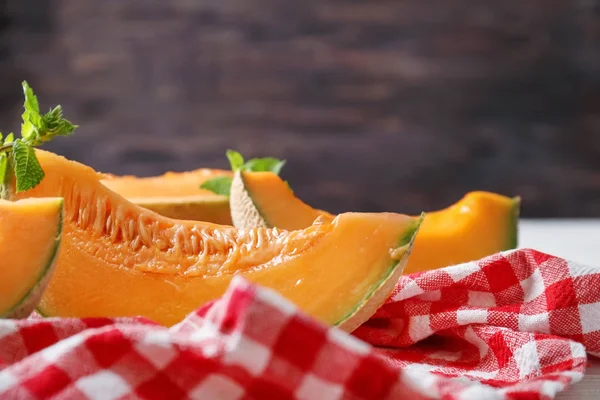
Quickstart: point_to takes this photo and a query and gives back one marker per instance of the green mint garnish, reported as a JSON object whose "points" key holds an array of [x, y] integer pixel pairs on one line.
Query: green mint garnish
{"points": [[3, 168], [265, 164], [17, 156], [222, 184], [27, 169], [219, 185], [235, 160]]}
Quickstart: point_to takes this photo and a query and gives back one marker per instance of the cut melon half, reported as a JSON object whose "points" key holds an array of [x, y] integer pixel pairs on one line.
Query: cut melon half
{"points": [[175, 194], [30, 237], [119, 259], [478, 225]]}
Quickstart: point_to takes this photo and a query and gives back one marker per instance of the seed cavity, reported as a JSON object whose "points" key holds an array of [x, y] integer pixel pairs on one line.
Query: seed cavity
{"points": [[155, 245]]}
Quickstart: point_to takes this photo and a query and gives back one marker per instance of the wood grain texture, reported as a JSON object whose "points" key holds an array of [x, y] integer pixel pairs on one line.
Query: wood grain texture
{"points": [[588, 388], [399, 105]]}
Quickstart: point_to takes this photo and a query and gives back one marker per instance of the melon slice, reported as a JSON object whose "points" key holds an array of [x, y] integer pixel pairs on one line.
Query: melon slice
{"points": [[264, 199], [480, 224], [175, 194], [119, 259], [30, 236]]}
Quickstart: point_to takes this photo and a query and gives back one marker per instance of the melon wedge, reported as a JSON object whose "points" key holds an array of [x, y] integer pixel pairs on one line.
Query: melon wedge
{"points": [[30, 237], [264, 199], [480, 224], [119, 259], [175, 194]]}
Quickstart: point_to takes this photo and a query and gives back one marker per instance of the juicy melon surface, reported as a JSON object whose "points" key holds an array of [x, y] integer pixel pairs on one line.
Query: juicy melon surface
{"points": [[29, 238], [119, 259]]}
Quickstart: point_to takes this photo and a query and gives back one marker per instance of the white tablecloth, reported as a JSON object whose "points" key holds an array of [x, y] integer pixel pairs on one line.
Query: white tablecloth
{"points": [[575, 240], [578, 241]]}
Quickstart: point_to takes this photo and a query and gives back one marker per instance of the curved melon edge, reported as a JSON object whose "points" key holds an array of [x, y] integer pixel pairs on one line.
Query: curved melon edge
{"points": [[382, 290], [30, 301]]}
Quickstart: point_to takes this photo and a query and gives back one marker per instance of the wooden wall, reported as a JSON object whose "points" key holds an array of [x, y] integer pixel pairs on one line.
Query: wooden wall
{"points": [[399, 105]]}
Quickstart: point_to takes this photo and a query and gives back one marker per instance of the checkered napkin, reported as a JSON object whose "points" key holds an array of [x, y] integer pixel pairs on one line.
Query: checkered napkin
{"points": [[514, 325]]}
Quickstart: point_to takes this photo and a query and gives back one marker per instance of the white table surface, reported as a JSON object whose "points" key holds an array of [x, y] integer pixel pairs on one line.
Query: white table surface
{"points": [[578, 241]]}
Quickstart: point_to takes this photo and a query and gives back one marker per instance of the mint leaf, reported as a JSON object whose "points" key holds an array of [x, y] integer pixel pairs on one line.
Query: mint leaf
{"points": [[32, 119], [55, 124], [235, 159], [3, 168], [219, 185], [28, 130], [5, 171], [27, 169], [269, 164], [10, 138], [31, 101]]}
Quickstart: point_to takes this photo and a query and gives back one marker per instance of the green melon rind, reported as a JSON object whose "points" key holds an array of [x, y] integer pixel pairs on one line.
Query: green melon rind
{"points": [[513, 226], [384, 287], [29, 302], [41, 313]]}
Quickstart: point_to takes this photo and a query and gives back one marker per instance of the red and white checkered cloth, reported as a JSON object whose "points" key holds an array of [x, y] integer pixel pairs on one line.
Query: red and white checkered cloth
{"points": [[515, 325]]}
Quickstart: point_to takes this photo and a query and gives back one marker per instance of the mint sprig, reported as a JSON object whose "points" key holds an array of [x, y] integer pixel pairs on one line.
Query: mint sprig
{"points": [[17, 156], [222, 184]]}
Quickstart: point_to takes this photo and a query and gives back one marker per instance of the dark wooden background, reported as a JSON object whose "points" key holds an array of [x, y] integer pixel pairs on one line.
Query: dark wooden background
{"points": [[400, 105]]}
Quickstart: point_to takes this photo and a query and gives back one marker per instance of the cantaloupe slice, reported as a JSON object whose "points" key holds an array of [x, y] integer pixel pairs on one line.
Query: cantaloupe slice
{"points": [[480, 224], [175, 194], [119, 259], [30, 235], [264, 199]]}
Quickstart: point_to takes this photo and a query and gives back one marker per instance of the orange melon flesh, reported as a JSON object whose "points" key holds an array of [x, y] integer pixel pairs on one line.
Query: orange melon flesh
{"points": [[161, 268], [29, 239], [175, 194], [480, 224], [169, 184]]}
